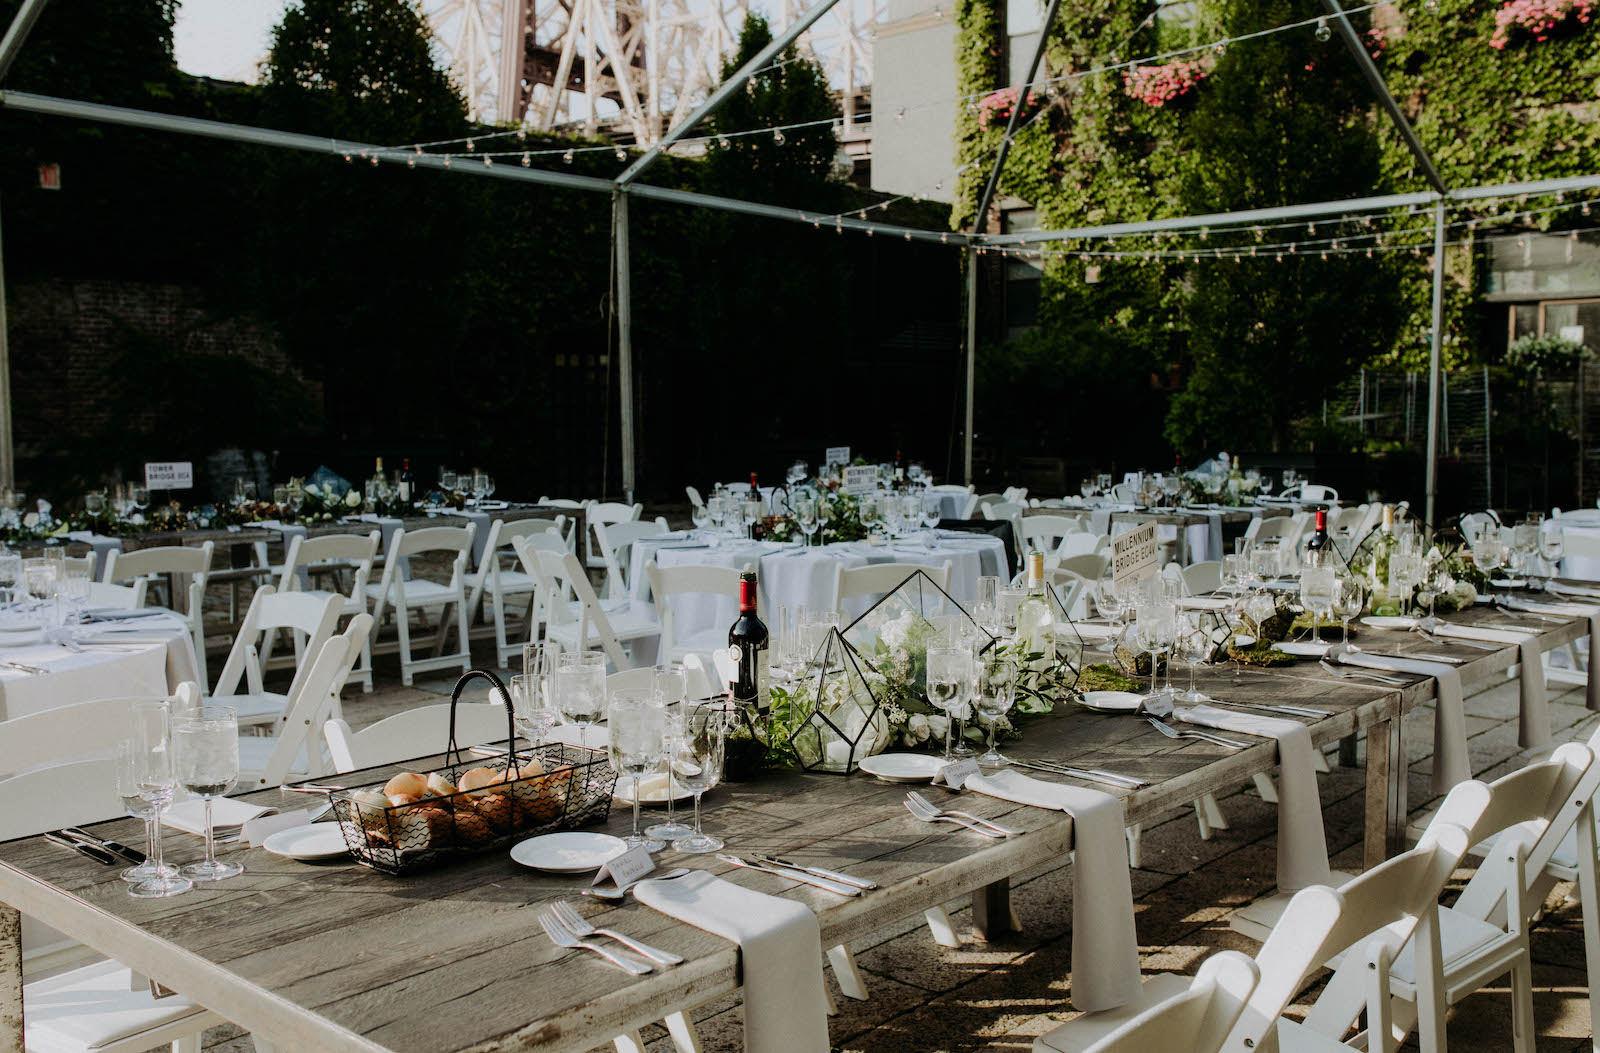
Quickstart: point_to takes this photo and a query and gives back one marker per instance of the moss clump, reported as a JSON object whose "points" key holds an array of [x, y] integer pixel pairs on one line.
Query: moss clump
{"points": [[1260, 654], [1106, 677]]}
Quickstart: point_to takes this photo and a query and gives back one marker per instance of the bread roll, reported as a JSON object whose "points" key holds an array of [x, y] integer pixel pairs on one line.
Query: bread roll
{"points": [[439, 786], [399, 800], [420, 826], [406, 783], [495, 809], [475, 780], [542, 798], [370, 810]]}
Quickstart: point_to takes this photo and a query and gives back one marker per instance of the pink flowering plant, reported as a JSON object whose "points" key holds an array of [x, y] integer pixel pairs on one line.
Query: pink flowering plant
{"points": [[1156, 86], [1538, 18], [995, 110]]}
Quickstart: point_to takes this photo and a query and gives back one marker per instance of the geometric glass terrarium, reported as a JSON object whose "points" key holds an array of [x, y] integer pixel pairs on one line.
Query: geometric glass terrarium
{"points": [[836, 715], [1069, 644]]}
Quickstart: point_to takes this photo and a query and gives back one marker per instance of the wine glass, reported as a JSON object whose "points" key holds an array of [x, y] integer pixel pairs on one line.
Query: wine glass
{"points": [[672, 688], [579, 687], [140, 495], [1193, 645], [949, 684], [1487, 552], [932, 510], [638, 746], [1316, 596], [531, 710], [805, 515], [698, 765], [1156, 628], [1007, 600], [155, 780], [1267, 484], [1551, 547], [94, 502], [1234, 574], [448, 481], [1348, 598], [1109, 600], [139, 808], [995, 690], [205, 746]]}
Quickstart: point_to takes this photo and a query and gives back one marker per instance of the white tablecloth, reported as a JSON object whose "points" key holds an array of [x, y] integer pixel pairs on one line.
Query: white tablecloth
{"points": [[790, 575], [1580, 523], [154, 656]]}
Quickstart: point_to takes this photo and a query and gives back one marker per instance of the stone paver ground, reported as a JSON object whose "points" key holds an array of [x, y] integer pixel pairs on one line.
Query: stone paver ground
{"points": [[999, 995]]}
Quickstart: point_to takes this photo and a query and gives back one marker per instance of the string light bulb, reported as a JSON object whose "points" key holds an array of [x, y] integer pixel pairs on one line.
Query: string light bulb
{"points": [[526, 160], [471, 145], [566, 158], [777, 135], [374, 160], [488, 162], [1323, 33], [622, 155], [447, 160]]}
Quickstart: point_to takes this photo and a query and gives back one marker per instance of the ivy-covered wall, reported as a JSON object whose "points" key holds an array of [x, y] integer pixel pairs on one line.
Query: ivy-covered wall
{"points": [[1239, 353]]}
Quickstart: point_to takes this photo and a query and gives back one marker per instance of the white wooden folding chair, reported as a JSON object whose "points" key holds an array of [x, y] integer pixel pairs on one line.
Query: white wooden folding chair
{"points": [[1374, 915], [499, 583], [669, 582], [1072, 590], [1283, 529], [1203, 577], [616, 552], [116, 597], [1081, 544], [394, 594], [877, 580], [182, 562], [695, 500], [639, 678], [1196, 1021], [983, 501], [1090, 565], [294, 751], [570, 534], [573, 616], [1046, 533], [417, 732], [102, 1007], [332, 555], [604, 513], [311, 617], [1017, 495]]}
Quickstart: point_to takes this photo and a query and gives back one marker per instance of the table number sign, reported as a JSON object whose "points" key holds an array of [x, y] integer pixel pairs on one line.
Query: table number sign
{"points": [[861, 479], [1134, 555], [627, 868], [839, 455], [169, 475]]}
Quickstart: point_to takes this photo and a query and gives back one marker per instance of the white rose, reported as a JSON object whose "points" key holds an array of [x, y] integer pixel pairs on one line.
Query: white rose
{"points": [[44, 507], [30, 520], [136, 518], [918, 729], [353, 499], [938, 726], [311, 488]]}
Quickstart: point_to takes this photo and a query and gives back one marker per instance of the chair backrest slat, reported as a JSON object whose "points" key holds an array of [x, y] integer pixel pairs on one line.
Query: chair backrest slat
{"points": [[161, 559], [417, 732]]}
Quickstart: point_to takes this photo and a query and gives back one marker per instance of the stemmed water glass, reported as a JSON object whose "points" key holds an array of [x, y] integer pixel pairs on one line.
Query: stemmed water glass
{"points": [[672, 688], [1156, 626], [205, 745], [1235, 571], [579, 686], [996, 688], [1109, 600], [1348, 598], [533, 706], [949, 685], [1007, 599], [139, 807], [1487, 551], [638, 746], [698, 763], [984, 609], [1551, 546], [1316, 596], [1193, 645], [805, 514], [155, 780]]}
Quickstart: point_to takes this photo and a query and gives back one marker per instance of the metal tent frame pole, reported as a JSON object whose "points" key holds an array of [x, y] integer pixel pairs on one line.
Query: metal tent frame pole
{"points": [[979, 216], [1435, 342], [972, 362], [619, 234], [8, 462]]}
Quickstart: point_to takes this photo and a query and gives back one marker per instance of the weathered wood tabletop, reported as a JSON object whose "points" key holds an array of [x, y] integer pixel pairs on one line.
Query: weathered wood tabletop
{"points": [[334, 957]]}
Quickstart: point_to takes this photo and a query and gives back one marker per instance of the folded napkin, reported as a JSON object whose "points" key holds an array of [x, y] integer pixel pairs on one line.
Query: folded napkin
{"points": [[227, 814], [1533, 720], [1450, 762], [1479, 632], [1302, 844], [780, 956], [1105, 946], [1574, 590], [1577, 610], [1205, 603]]}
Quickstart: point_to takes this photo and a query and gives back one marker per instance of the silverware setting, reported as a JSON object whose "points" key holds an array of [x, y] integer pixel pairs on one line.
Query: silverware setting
{"points": [[1508, 612], [838, 888], [1104, 778], [94, 852], [132, 855], [925, 810], [579, 926], [616, 894], [1420, 657], [821, 872], [1479, 644], [1293, 711], [561, 937], [31, 670], [1191, 733], [1359, 674]]}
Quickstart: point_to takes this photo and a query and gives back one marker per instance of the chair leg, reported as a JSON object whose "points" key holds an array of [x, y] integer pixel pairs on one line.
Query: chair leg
{"points": [[1522, 1005], [1589, 897], [402, 623], [1135, 836], [851, 985], [685, 1039], [943, 929], [1215, 817]]}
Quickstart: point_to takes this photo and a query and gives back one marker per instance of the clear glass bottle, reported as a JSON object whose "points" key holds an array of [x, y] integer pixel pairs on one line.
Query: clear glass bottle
{"points": [[1036, 622]]}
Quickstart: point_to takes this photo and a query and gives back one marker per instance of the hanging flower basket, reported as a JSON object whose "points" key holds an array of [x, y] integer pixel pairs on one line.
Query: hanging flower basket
{"points": [[1539, 19]]}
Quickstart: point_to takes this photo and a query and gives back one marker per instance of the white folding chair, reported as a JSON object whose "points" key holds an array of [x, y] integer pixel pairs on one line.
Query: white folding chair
{"points": [[573, 616], [877, 580], [331, 555], [669, 582], [1203, 577], [116, 597], [418, 732], [695, 500], [1091, 565], [640, 678], [181, 561], [1017, 495], [1195, 1021], [419, 594], [604, 513], [1072, 589], [500, 583], [1046, 533], [572, 521], [311, 617], [616, 551], [983, 501], [1284, 529], [102, 1007]]}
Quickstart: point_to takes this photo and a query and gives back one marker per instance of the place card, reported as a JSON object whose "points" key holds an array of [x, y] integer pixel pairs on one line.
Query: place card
{"points": [[955, 773], [861, 479], [627, 868], [256, 831], [1157, 705]]}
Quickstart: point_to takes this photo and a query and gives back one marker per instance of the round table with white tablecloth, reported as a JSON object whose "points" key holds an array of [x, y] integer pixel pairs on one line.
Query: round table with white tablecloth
{"points": [[1584, 523], [116, 658], [789, 574]]}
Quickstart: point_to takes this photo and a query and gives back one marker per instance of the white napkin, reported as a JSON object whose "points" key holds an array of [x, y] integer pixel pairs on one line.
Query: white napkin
{"points": [[1533, 718], [1105, 945], [226, 814], [1479, 632], [1575, 590], [1582, 610], [780, 956], [1450, 761], [1302, 844]]}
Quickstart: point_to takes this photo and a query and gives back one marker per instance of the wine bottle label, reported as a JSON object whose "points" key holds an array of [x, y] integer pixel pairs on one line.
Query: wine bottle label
{"points": [[405, 491]]}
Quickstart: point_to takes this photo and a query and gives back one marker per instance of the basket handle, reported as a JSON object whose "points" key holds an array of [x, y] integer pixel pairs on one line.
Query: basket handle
{"points": [[452, 751]]}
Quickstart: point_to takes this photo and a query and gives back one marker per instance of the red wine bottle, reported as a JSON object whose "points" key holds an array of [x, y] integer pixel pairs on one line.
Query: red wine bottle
{"points": [[747, 639], [1317, 547], [407, 482], [756, 505]]}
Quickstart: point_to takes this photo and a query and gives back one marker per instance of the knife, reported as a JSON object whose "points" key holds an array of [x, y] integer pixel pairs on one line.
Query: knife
{"points": [[835, 887], [832, 875], [99, 855], [132, 855]]}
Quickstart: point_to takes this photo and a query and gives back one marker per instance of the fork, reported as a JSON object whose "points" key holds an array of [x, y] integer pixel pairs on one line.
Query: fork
{"points": [[578, 925], [1345, 674], [561, 937], [921, 808], [1202, 736]]}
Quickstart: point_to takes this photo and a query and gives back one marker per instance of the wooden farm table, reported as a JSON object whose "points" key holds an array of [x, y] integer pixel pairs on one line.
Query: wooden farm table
{"points": [[336, 958]]}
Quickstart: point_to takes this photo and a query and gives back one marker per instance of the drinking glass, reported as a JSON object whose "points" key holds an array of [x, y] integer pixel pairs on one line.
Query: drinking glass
{"points": [[1109, 600], [1290, 477], [932, 510], [94, 503], [141, 497], [205, 747], [1487, 552], [949, 685], [139, 808], [1264, 564], [1193, 646], [488, 486], [1436, 581], [1156, 627], [280, 497], [1348, 599], [1086, 488], [1234, 573], [715, 511], [1105, 482], [672, 687], [448, 480], [638, 746], [580, 693], [1551, 546], [1007, 600], [1316, 596], [698, 765], [11, 569], [156, 781], [996, 688], [805, 515], [530, 706], [1268, 484]]}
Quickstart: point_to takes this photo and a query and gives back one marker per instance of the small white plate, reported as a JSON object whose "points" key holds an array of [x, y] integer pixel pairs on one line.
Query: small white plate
{"points": [[307, 843], [1205, 603], [903, 767], [1301, 648], [1091, 631], [570, 852], [655, 791], [1241, 640], [21, 625], [1508, 583], [1111, 701], [1389, 621]]}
